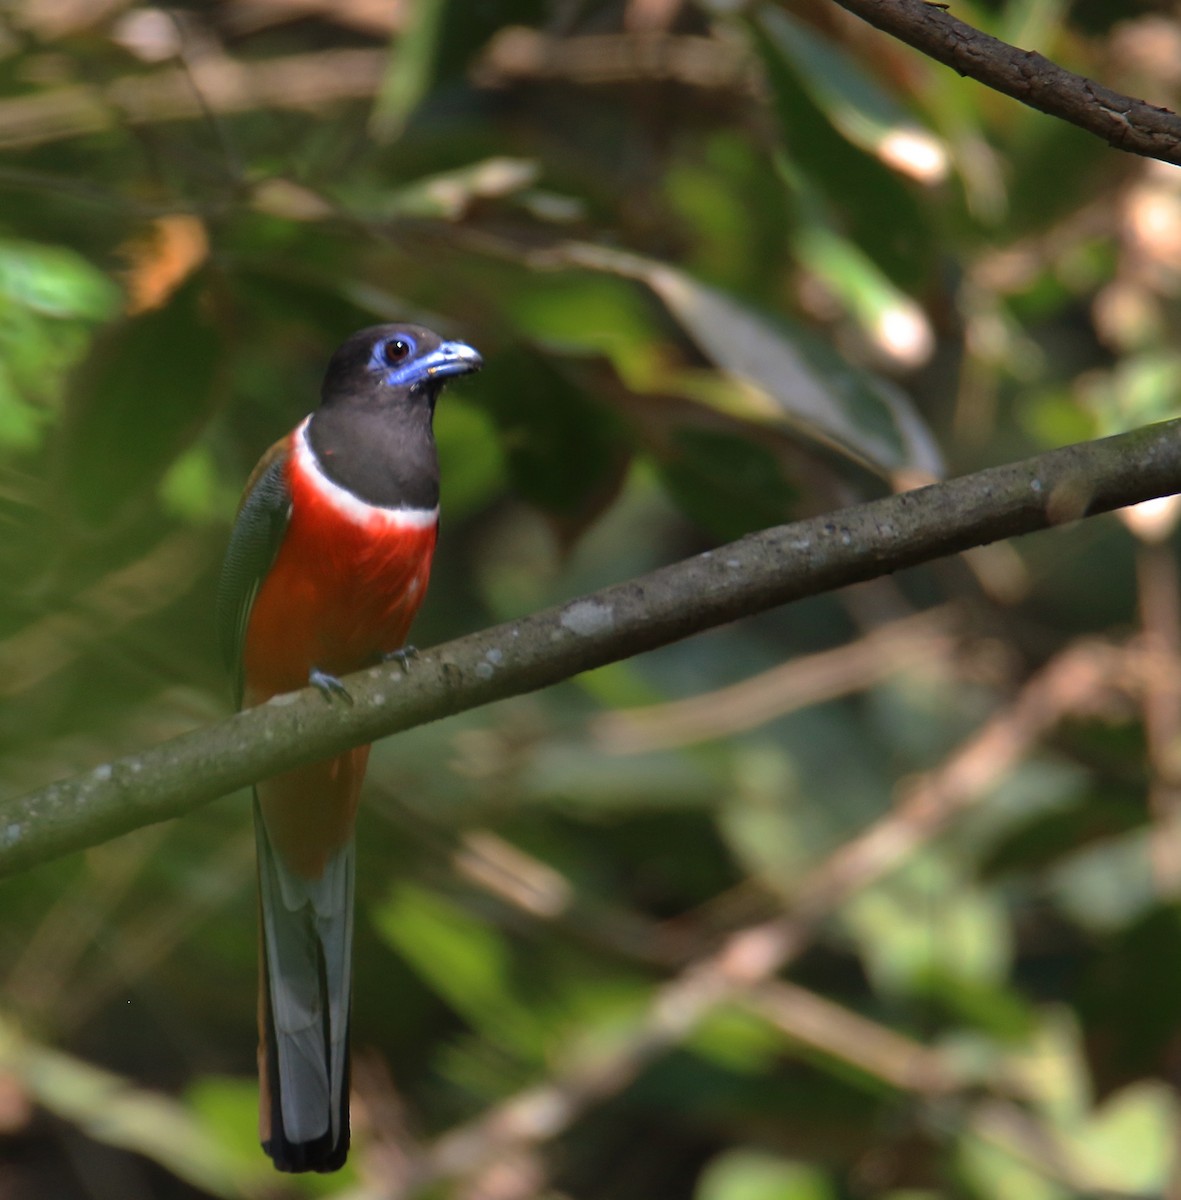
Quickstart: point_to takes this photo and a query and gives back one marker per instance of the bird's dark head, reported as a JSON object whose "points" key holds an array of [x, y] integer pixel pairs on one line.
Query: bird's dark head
{"points": [[372, 432], [387, 364]]}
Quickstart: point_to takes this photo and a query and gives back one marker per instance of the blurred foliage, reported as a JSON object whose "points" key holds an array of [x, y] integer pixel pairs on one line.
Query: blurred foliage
{"points": [[728, 264]]}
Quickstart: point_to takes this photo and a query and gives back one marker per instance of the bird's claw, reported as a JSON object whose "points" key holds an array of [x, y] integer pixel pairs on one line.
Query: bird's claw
{"points": [[328, 685], [402, 657]]}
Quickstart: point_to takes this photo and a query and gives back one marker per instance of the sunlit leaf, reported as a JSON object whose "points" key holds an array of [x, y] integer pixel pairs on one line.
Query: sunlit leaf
{"points": [[55, 282], [1130, 1142], [865, 113], [890, 319], [1050, 1068], [991, 1169], [449, 194], [846, 177]]}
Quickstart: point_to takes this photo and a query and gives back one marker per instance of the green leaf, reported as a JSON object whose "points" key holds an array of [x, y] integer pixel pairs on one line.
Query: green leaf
{"points": [[890, 319], [754, 1175], [227, 1110], [738, 1040], [585, 313], [924, 924], [193, 490], [764, 820], [992, 1168], [576, 778], [1108, 884], [1141, 389], [862, 111], [55, 282], [1129, 1143], [472, 465], [411, 69], [48, 296], [812, 388], [851, 185], [142, 398], [21, 423], [463, 959]]}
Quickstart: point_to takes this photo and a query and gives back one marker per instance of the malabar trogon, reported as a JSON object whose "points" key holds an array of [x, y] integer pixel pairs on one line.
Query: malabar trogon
{"points": [[326, 567]]}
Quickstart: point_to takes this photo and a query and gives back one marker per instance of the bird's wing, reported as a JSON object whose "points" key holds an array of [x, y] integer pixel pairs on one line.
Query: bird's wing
{"points": [[257, 535]]}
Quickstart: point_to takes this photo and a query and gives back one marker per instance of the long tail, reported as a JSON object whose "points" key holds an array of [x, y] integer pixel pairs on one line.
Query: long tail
{"points": [[304, 993]]}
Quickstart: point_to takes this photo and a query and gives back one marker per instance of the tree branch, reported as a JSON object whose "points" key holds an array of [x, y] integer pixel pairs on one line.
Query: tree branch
{"points": [[1122, 122], [758, 572]]}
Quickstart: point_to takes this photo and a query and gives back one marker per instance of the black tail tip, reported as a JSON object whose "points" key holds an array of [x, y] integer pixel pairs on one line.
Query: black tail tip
{"points": [[322, 1154]]}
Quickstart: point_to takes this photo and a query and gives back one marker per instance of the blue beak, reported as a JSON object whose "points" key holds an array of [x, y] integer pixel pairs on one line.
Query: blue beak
{"points": [[445, 360]]}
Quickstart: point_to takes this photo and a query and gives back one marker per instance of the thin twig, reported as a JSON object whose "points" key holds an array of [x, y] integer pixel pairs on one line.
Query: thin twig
{"points": [[1123, 122]]}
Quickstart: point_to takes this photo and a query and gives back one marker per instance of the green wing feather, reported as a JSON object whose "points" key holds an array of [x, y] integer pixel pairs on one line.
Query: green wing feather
{"points": [[258, 533]]}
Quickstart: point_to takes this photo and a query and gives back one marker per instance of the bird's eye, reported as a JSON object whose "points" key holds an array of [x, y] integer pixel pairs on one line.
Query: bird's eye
{"points": [[394, 351]]}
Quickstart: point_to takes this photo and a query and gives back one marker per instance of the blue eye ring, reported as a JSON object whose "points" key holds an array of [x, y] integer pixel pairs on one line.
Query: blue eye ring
{"points": [[396, 350]]}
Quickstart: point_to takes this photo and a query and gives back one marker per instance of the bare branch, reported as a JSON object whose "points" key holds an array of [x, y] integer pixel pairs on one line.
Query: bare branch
{"points": [[758, 572], [1125, 123]]}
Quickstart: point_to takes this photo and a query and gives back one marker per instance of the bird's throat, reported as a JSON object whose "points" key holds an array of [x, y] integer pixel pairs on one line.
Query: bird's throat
{"points": [[384, 458]]}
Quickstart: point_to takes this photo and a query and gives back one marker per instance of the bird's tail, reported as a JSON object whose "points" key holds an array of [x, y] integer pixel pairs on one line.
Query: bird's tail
{"points": [[305, 984]]}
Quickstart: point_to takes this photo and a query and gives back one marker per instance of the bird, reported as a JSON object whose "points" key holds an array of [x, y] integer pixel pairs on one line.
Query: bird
{"points": [[326, 566]]}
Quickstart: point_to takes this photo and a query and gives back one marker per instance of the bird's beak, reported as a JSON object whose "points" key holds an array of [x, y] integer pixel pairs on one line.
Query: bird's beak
{"points": [[450, 358]]}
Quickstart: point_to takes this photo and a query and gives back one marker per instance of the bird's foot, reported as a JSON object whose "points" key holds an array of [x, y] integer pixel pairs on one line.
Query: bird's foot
{"points": [[402, 657], [328, 685]]}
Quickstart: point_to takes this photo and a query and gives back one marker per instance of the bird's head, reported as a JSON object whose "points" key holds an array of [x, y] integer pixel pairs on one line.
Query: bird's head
{"points": [[385, 364]]}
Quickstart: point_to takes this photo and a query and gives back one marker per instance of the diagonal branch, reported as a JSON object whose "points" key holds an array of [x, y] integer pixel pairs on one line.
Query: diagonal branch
{"points": [[1125, 123], [763, 570]]}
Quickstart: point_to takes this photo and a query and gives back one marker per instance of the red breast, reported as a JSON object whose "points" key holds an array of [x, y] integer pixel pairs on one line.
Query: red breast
{"points": [[344, 587]]}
